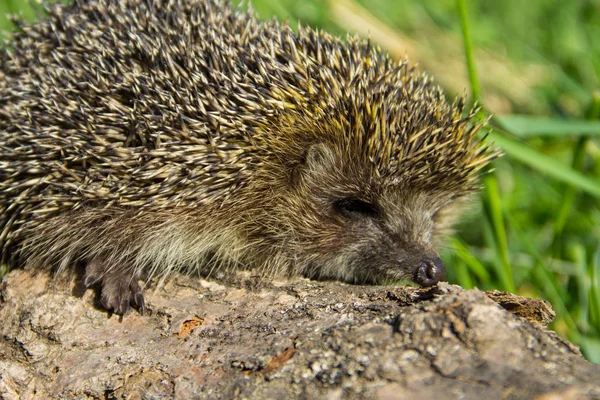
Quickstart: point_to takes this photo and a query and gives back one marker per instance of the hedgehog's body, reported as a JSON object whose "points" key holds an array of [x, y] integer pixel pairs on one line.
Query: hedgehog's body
{"points": [[142, 137]]}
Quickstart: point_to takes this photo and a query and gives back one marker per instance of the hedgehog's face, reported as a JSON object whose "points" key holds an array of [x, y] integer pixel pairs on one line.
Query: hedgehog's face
{"points": [[351, 227]]}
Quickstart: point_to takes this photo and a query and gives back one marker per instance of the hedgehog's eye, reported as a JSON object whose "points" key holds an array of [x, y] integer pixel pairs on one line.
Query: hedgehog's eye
{"points": [[353, 207]]}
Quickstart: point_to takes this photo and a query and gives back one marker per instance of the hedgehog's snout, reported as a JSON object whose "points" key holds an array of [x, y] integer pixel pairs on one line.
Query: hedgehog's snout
{"points": [[430, 271]]}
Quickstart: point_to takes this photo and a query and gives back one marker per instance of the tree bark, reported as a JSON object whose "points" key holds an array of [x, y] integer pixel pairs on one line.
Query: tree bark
{"points": [[249, 339]]}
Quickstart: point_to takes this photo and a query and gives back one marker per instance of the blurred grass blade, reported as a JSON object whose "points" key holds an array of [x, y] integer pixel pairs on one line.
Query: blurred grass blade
{"points": [[464, 21], [474, 265], [591, 348], [577, 163], [594, 299], [526, 126], [493, 208], [353, 16], [492, 201], [556, 294], [582, 280], [546, 164], [463, 277], [570, 191]]}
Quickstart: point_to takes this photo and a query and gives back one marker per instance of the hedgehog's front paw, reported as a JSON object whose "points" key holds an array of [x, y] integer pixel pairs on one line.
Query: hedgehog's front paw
{"points": [[118, 294], [119, 290]]}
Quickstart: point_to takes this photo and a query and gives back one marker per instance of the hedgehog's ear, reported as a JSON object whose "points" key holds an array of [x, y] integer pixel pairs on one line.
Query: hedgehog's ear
{"points": [[317, 158]]}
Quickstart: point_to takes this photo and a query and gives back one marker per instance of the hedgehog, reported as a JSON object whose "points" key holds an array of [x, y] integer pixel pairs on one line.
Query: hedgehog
{"points": [[144, 137]]}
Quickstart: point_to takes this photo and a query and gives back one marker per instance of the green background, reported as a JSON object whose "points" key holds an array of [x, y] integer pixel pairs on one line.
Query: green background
{"points": [[535, 66]]}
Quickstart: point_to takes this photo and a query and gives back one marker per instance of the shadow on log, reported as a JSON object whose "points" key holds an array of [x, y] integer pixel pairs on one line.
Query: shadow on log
{"points": [[283, 340]]}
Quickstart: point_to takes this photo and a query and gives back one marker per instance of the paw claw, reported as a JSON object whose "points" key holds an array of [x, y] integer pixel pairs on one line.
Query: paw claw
{"points": [[123, 307], [138, 300], [89, 280], [108, 303]]}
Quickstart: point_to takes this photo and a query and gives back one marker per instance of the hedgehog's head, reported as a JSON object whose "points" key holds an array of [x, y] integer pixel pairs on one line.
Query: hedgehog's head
{"points": [[352, 226], [372, 184]]}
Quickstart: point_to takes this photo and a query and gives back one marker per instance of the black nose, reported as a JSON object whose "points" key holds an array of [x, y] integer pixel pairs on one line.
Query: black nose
{"points": [[430, 271]]}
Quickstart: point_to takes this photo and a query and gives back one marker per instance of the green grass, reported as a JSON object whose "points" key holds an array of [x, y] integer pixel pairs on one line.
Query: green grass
{"points": [[536, 67]]}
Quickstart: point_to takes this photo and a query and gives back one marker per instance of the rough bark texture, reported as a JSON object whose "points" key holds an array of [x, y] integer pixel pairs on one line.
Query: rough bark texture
{"points": [[282, 340]]}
